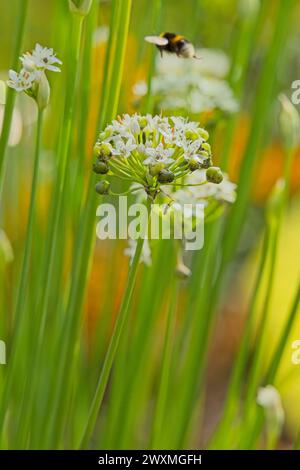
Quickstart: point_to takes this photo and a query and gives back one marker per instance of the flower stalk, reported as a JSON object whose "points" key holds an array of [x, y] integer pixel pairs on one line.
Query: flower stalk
{"points": [[114, 343]]}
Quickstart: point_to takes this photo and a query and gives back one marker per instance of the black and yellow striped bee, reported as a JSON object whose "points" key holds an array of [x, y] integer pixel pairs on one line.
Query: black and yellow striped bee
{"points": [[173, 44]]}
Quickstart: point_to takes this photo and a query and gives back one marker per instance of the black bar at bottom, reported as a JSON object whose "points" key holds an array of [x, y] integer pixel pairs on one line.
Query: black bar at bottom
{"points": [[135, 458]]}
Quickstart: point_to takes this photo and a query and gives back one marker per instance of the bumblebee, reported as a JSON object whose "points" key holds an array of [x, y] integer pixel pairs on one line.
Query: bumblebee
{"points": [[173, 44]]}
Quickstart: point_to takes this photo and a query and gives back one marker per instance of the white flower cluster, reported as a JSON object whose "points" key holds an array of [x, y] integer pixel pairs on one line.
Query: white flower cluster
{"points": [[152, 151], [191, 86], [34, 64]]}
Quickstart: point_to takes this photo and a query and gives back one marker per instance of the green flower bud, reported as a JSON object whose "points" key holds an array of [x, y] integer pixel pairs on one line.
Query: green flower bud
{"points": [[100, 167], [102, 187], [206, 146], [204, 154], [155, 168], [194, 163], [103, 149], [43, 92], [102, 136], [142, 122], [191, 134], [204, 134], [80, 7], [183, 272], [214, 175], [206, 163], [289, 121], [165, 176]]}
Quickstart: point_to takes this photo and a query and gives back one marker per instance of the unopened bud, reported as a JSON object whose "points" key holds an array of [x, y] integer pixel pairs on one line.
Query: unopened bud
{"points": [[43, 92], [194, 163], [142, 122], [80, 7], [102, 187], [165, 176], [269, 398], [100, 167], [289, 121], [206, 163], [103, 149], [206, 146], [156, 168], [214, 175], [192, 134], [204, 134]]}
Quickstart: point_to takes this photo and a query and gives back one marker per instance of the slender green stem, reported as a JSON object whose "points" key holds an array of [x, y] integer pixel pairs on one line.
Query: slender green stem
{"points": [[160, 410], [21, 293], [84, 245], [11, 95], [232, 401], [136, 378], [262, 100], [64, 147], [243, 45], [113, 345], [275, 222]]}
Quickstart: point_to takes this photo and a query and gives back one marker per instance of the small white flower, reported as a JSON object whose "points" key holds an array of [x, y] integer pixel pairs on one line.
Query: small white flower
{"points": [[44, 58], [23, 80], [191, 148], [124, 149], [28, 62], [158, 154]]}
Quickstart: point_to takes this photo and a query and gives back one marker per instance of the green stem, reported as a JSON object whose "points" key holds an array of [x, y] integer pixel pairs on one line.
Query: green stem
{"points": [[84, 244], [64, 147], [21, 294], [262, 101], [156, 22], [236, 381], [159, 414], [11, 95], [113, 346], [275, 223]]}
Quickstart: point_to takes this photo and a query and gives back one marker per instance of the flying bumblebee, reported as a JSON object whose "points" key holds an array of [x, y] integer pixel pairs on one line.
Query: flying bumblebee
{"points": [[173, 44]]}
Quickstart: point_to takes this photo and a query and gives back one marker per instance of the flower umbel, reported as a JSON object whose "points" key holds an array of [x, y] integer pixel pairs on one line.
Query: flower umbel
{"points": [[32, 78], [152, 151]]}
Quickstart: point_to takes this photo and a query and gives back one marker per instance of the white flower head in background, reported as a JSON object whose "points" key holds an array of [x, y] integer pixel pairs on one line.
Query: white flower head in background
{"points": [[32, 77], [194, 86]]}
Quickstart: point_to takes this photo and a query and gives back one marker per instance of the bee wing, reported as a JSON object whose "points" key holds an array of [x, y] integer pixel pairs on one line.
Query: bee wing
{"points": [[157, 40]]}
